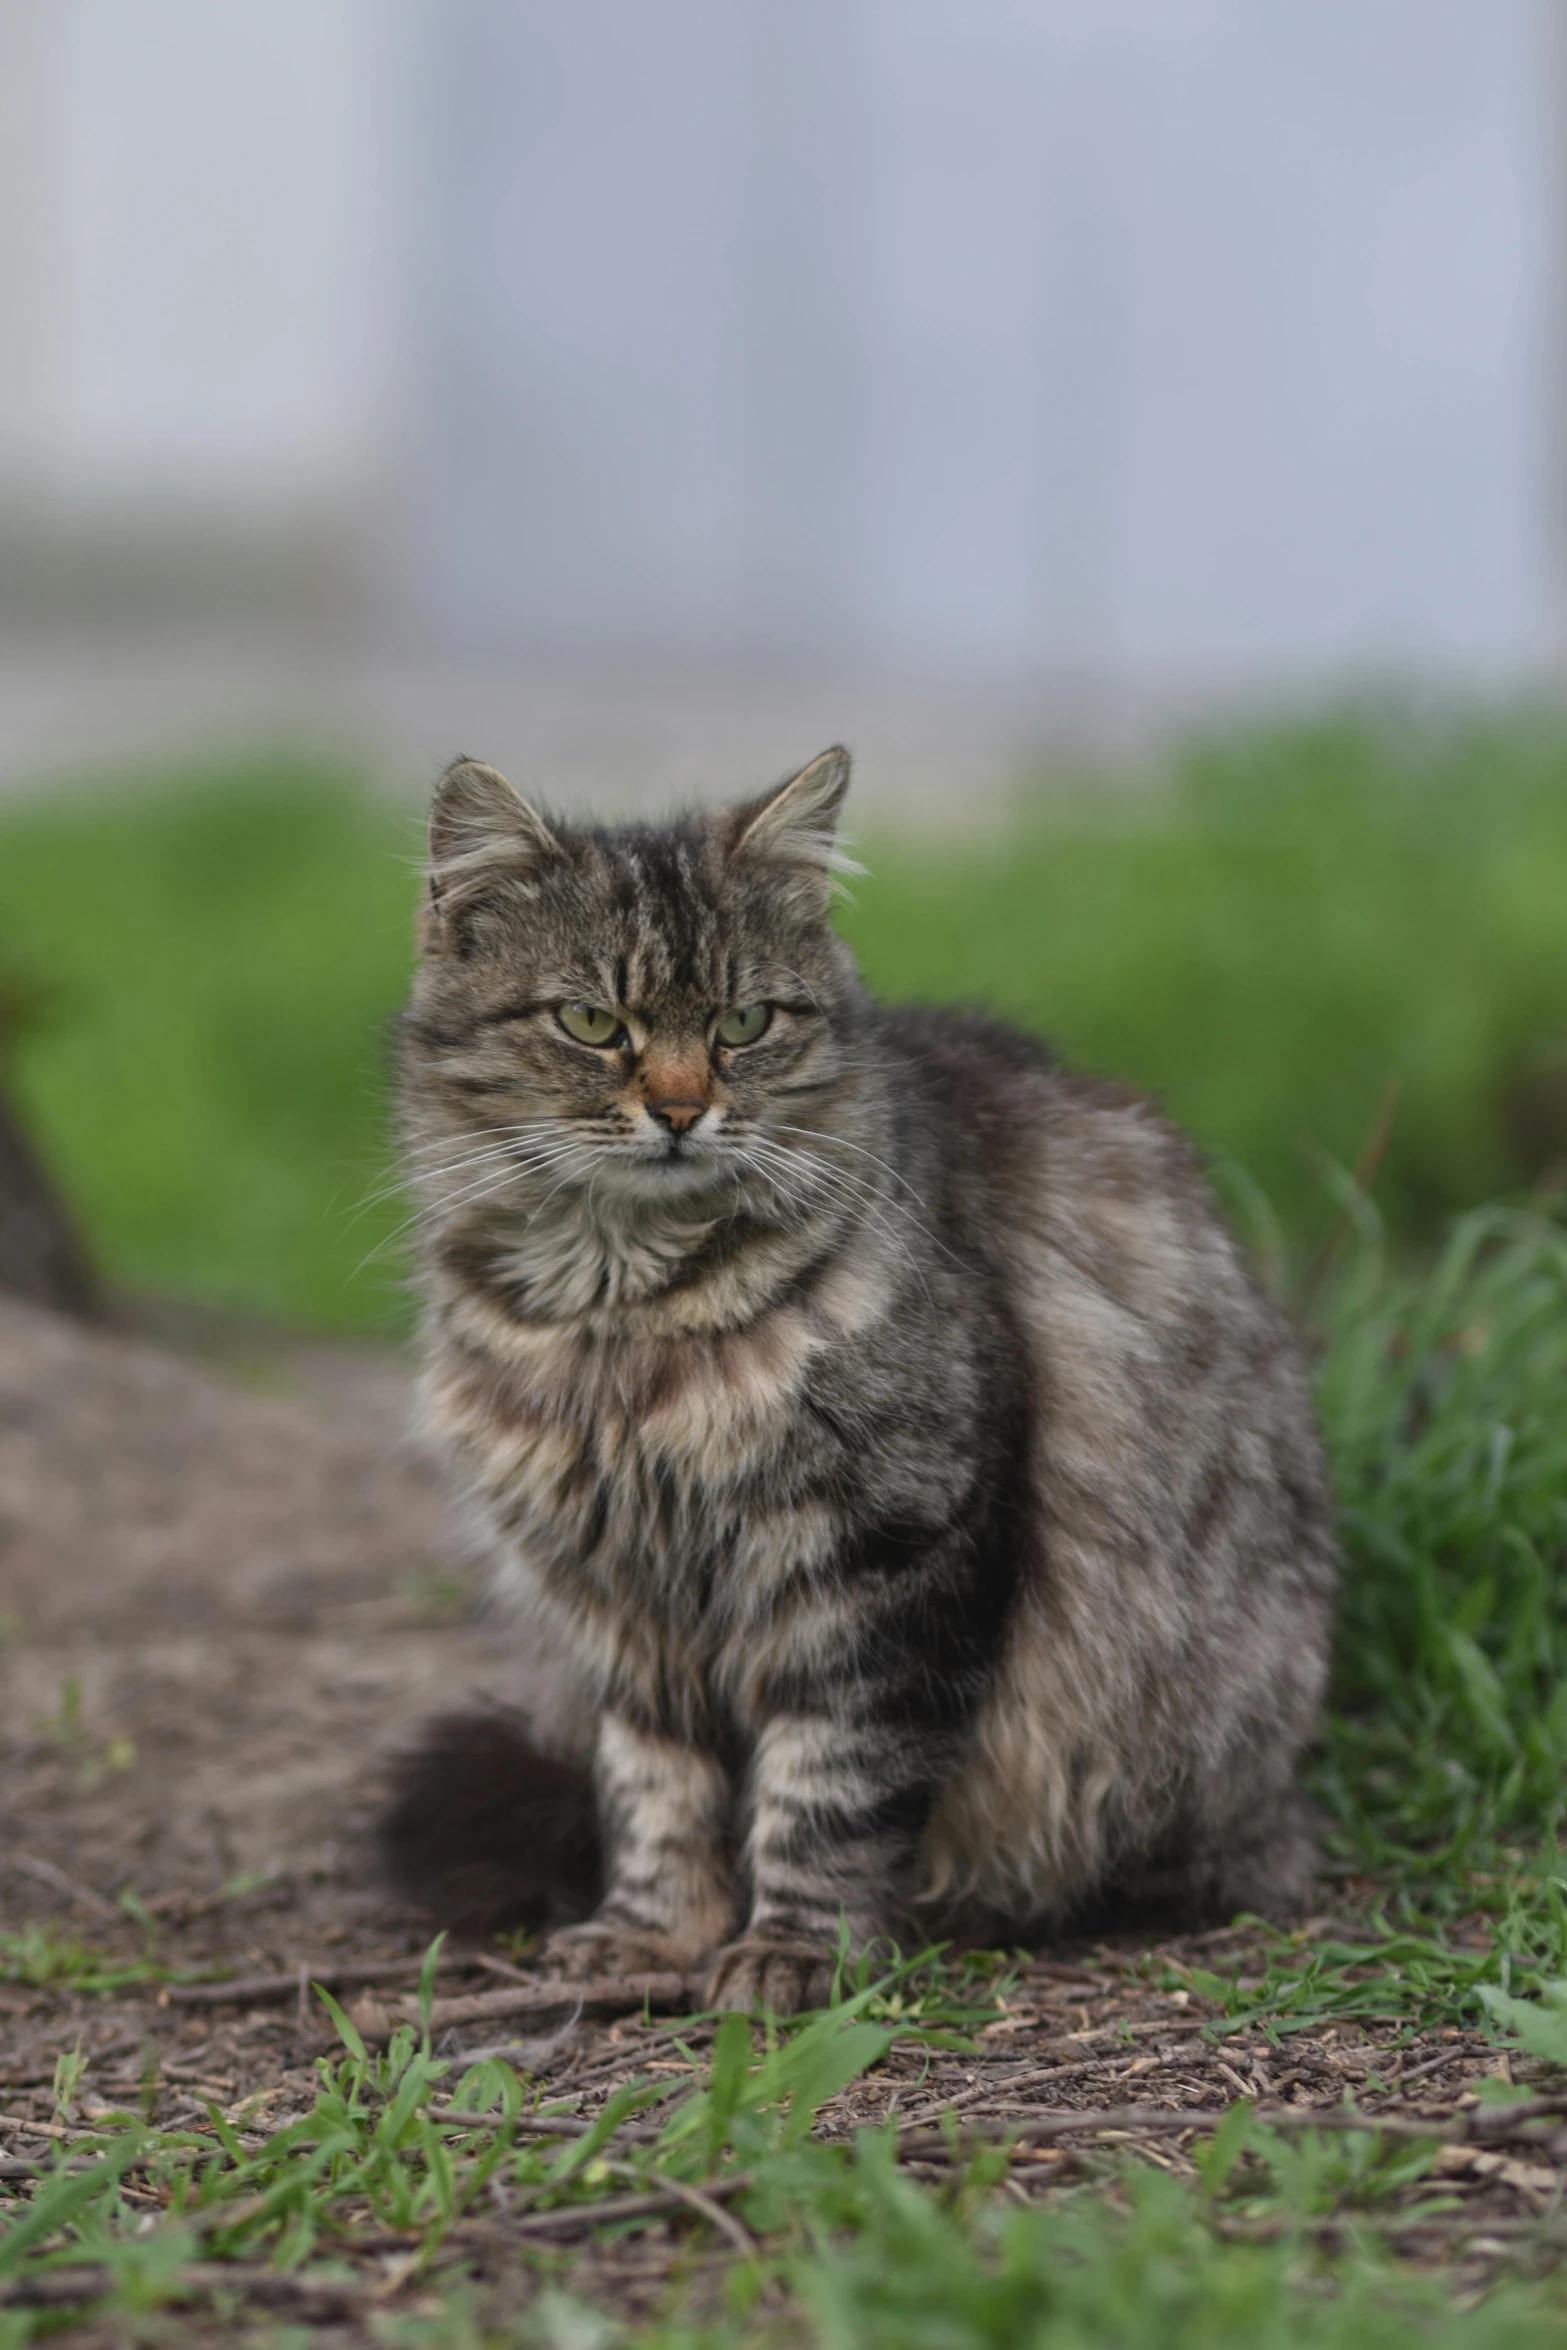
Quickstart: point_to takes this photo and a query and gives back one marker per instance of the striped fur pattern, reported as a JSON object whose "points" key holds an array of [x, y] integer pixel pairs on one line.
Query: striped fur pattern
{"points": [[877, 1414]]}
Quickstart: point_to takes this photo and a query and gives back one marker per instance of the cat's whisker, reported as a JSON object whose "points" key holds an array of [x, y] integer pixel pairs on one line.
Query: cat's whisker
{"points": [[842, 1142], [430, 1173], [805, 987], [495, 1181], [851, 1193], [450, 1154], [434, 1170], [532, 1218], [822, 1172], [899, 1179], [492, 1187], [500, 1154], [512, 1128]]}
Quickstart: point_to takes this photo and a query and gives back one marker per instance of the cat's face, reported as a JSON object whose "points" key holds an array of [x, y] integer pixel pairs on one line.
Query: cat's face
{"points": [[655, 1014]]}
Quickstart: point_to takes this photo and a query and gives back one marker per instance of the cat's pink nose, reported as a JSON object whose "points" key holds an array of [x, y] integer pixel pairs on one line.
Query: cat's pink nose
{"points": [[677, 1116]]}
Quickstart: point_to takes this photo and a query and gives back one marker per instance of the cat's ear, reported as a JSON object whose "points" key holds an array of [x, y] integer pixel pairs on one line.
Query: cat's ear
{"points": [[481, 832], [795, 829]]}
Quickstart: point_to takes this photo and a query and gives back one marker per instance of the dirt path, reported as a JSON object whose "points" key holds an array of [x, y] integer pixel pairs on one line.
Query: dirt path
{"points": [[220, 1605]]}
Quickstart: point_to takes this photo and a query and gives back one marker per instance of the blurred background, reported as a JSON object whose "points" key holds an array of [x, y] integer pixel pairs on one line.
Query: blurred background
{"points": [[1138, 426]]}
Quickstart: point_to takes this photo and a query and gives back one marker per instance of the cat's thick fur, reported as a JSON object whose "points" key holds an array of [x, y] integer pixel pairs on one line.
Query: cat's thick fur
{"points": [[878, 1414]]}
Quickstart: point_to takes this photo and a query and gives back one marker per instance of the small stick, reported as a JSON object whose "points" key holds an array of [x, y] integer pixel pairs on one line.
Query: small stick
{"points": [[502, 1967], [47, 1874], [1496, 2121], [522, 2054], [1432, 2064], [612, 1995], [527, 2125], [63, 2287], [260, 1988], [633, 2130], [575, 2219], [1372, 1152], [704, 2203], [983, 2090], [1156, 2120], [20, 2121]]}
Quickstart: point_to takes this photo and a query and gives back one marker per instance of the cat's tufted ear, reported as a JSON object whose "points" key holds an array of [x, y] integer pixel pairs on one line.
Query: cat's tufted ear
{"points": [[481, 832], [795, 829]]}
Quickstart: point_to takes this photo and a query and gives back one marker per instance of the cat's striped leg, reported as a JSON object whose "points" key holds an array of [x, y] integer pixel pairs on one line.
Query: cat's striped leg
{"points": [[838, 1813], [664, 1812]]}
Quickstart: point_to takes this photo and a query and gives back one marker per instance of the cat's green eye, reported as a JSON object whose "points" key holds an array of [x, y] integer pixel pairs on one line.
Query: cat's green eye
{"points": [[589, 1023], [744, 1025]]}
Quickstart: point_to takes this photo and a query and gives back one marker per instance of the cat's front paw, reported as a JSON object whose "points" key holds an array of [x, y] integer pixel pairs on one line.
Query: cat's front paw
{"points": [[759, 1973], [607, 1949]]}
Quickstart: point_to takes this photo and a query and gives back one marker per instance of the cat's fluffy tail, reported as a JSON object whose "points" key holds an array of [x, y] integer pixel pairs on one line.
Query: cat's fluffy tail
{"points": [[483, 1830]]}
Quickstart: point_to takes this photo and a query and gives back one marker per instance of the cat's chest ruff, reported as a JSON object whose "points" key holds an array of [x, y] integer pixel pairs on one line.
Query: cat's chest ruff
{"points": [[531, 1402]]}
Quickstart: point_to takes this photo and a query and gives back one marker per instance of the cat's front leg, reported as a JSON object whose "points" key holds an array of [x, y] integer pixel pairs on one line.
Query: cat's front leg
{"points": [[838, 1817], [664, 1812]]}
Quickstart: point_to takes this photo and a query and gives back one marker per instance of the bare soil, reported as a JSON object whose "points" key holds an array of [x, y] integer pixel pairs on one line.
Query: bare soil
{"points": [[229, 1589]]}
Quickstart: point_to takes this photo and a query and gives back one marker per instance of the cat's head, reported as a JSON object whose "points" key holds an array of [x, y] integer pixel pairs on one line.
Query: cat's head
{"points": [[663, 1013]]}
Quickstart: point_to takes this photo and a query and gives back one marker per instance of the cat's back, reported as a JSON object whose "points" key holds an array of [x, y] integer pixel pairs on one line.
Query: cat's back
{"points": [[1039, 1153], [1132, 1296]]}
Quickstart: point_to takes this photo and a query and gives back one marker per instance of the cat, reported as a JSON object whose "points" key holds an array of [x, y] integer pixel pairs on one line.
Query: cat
{"points": [[877, 1414]]}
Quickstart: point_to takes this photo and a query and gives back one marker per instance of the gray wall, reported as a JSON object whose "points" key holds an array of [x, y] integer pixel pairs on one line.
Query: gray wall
{"points": [[199, 262], [1149, 344], [1173, 342]]}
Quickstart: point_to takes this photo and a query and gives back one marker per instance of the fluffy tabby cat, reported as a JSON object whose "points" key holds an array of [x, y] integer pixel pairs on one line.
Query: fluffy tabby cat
{"points": [[878, 1415]]}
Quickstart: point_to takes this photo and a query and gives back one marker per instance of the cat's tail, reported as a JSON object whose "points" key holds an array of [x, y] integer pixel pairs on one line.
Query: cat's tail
{"points": [[483, 1830]]}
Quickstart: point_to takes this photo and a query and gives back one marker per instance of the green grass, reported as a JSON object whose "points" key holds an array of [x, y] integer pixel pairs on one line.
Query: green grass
{"points": [[213, 968], [1290, 924], [1444, 1402], [842, 2246], [907, 2272]]}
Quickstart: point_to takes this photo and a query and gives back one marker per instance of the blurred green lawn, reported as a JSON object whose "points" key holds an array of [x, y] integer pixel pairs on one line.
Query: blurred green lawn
{"points": [[1289, 921]]}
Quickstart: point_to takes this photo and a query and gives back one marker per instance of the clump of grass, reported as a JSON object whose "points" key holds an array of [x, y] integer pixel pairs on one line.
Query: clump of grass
{"points": [[1444, 1404], [897, 2269], [376, 2152], [1416, 1971], [42, 1958]]}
